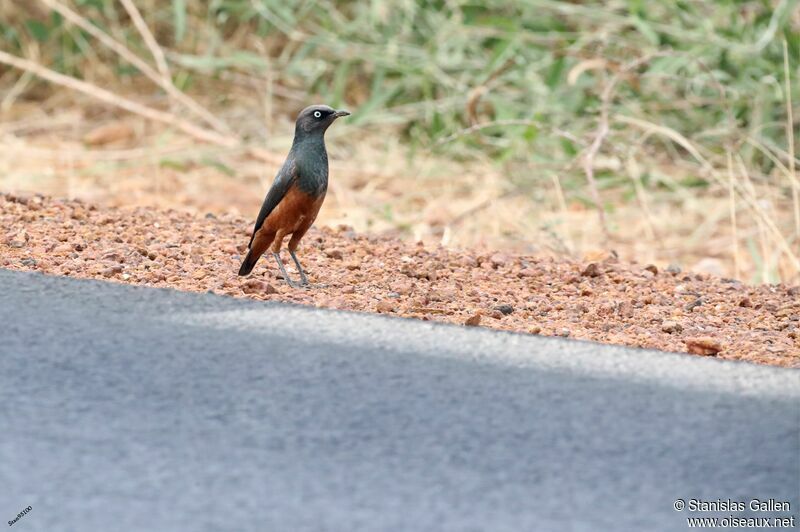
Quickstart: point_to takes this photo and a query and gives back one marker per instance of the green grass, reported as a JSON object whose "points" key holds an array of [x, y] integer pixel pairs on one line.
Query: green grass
{"points": [[413, 64]]}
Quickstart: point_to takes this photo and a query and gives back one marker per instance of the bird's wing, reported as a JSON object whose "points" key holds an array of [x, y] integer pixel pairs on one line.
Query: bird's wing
{"points": [[286, 176]]}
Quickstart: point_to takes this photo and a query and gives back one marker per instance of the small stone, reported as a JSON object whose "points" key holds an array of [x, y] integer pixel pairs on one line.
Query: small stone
{"points": [[652, 269], [691, 306], [18, 240], [403, 287], [564, 332], [745, 302], [527, 272], [534, 329], [625, 309], [591, 270], [63, 248], [674, 269], [113, 256], [671, 327], [385, 305], [254, 286], [349, 289], [334, 254], [498, 259], [473, 320], [504, 309], [353, 265], [703, 345], [29, 262], [112, 270]]}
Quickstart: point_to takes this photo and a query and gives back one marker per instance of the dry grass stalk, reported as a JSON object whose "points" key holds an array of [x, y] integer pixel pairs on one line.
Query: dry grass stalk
{"points": [[164, 82], [116, 100], [749, 197], [147, 37], [734, 227], [603, 129], [790, 141]]}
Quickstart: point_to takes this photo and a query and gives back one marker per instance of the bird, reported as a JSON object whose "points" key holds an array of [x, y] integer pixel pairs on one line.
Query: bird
{"points": [[296, 195]]}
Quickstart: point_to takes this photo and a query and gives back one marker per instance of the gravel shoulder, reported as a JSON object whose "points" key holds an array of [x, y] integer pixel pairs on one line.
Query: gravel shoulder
{"points": [[603, 300]]}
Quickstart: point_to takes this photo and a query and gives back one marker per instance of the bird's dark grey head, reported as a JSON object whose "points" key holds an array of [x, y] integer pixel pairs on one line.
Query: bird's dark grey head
{"points": [[315, 119]]}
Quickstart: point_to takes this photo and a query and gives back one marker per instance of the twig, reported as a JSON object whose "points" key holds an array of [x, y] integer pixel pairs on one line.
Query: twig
{"points": [[136, 61], [603, 130], [734, 227], [116, 100], [147, 37], [790, 140]]}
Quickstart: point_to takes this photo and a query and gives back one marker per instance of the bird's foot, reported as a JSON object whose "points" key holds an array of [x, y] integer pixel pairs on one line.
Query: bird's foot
{"points": [[283, 272], [303, 278], [291, 283]]}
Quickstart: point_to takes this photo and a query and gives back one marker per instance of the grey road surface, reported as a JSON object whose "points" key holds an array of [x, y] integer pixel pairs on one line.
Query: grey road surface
{"points": [[126, 408]]}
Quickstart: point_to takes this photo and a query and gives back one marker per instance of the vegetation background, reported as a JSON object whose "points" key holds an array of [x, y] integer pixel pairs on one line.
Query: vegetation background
{"points": [[662, 130]]}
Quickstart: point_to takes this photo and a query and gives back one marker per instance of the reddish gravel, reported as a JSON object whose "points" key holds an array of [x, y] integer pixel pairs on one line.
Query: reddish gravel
{"points": [[604, 301]]}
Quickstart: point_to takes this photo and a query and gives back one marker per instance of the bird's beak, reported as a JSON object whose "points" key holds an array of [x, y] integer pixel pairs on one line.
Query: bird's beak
{"points": [[338, 114]]}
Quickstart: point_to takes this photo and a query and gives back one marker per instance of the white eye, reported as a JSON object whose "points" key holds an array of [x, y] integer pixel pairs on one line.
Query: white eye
{"points": [[317, 114]]}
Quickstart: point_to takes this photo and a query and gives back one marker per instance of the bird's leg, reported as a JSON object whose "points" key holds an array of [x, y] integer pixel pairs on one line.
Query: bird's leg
{"points": [[283, 271], [303, 278]]}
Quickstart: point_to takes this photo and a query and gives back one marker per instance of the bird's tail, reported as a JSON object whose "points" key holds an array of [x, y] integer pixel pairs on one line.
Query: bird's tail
{"points": [[249, 263]]}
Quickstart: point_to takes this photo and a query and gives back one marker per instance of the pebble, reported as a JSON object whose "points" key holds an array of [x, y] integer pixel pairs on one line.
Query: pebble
{"points": [[498, 259], [504, 309], [254, 286], [385, 305], [112, 270], [591, 270], [671, 327], [704, 345], [473, 320], [689, 307]]}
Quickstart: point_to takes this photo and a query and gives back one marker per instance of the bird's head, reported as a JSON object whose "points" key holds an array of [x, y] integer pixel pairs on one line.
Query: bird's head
{"points": [[316, 119]]}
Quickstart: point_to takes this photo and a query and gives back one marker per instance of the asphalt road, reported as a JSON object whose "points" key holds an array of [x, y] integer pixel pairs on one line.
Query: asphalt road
{"points": [[128, 408]]}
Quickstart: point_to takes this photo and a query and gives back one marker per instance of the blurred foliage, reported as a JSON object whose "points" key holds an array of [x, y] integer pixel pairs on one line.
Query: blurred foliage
{"points": [[433, 68]]}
